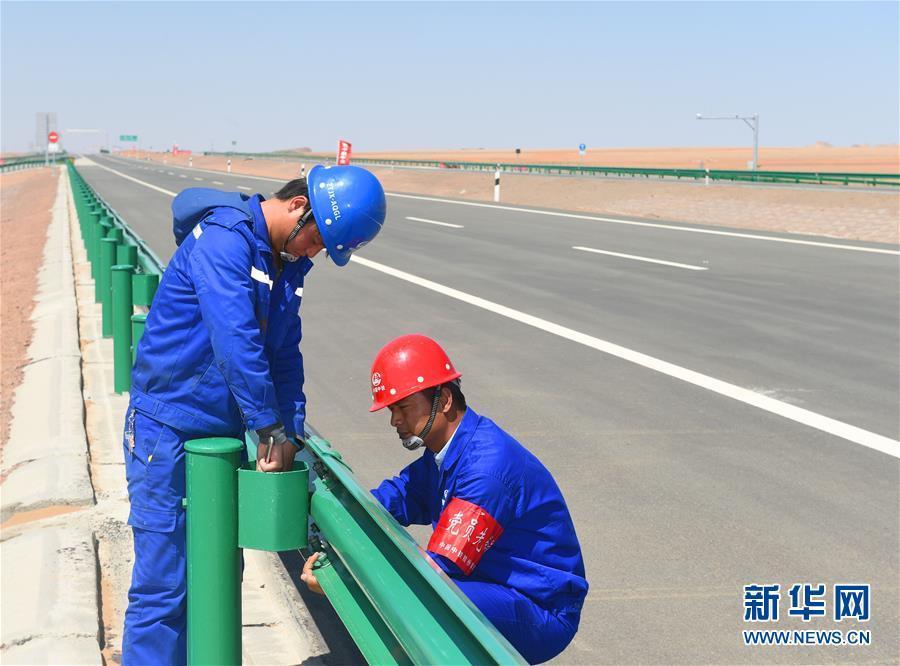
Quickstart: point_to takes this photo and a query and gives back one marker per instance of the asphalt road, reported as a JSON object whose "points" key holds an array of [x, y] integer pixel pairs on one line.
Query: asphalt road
{"points": [[724, 419]]}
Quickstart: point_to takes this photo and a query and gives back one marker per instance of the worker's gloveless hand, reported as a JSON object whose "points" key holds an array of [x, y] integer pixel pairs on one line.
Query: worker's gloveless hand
{"points": [[280, 460], [309, 577]]}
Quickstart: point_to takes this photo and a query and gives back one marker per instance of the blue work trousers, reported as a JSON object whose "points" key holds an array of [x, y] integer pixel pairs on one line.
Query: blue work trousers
{"points": [[156, 619], [537, 634]]}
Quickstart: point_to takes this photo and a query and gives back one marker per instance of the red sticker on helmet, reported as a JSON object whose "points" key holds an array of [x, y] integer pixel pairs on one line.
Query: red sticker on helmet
{"points": [[464, 533]]}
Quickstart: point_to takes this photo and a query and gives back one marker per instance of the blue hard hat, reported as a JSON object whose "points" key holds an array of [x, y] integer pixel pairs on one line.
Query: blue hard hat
{"points": [[349, 206]]}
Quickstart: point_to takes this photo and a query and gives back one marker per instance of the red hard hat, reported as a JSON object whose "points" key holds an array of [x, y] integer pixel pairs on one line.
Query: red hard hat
{"points": [[406, 365]]}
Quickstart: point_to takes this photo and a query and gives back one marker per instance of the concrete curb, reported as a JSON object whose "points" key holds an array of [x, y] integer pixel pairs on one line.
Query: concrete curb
{"points": [[50, 601], [45, 459], [52, 576]]}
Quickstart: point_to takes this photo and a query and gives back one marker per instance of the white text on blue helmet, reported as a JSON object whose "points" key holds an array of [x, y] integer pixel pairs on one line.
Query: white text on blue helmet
{"points": [[335, 209]]}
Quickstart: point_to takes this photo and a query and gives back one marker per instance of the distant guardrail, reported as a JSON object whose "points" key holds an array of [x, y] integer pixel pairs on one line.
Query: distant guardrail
{"points": [[733, 175], [29, 161], [126, 273]]}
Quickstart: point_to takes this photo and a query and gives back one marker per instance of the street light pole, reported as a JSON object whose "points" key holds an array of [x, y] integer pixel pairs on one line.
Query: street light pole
{"points": [[90, 131], [752, 121]]}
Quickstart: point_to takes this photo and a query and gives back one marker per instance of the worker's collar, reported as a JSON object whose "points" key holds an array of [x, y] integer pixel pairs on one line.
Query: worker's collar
{"points": [[263, 242], [440, 455], [448, 456]]}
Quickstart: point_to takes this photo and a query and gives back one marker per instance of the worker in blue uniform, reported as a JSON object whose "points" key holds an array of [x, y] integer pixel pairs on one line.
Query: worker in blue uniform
{"points": [[502, 531], [220, 355]]}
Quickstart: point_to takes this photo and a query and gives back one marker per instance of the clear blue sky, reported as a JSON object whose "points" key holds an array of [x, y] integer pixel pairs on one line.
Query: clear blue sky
{"points": [[419, 75]]}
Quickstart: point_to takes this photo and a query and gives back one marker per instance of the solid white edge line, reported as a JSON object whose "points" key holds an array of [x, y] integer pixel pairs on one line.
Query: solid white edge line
{"points": [[825, 424], [214, 172], [637, 258], [635, 223], [135, 180], [806, 417], [443, 224]]}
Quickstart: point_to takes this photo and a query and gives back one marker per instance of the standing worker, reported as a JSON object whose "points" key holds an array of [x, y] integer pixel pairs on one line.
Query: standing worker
{"points": [[221, 355], [502, 531]]}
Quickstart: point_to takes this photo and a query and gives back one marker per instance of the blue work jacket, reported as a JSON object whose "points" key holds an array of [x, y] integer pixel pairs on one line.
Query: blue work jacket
{"points": [[221, 348], [497, 516]]}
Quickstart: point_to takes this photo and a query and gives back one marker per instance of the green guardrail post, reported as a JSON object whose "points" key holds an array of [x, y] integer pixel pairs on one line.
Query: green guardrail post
{"points": [[138, 323], [145, 285], [213, 563], [104, 274], [122, 309], [100, 230], [87, 217], [127, 254]]}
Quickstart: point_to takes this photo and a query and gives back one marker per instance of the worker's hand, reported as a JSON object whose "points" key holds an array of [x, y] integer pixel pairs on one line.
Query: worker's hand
{"points": [[280, 460], [309, 577]]}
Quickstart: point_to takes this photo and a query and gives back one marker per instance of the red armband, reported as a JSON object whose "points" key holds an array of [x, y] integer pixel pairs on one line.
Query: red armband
{"points": [[464, 534]]}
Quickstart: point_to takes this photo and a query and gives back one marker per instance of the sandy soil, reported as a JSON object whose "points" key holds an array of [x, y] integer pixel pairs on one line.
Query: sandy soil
{"points": [[26, 199], [836, 212], [818, 157]]}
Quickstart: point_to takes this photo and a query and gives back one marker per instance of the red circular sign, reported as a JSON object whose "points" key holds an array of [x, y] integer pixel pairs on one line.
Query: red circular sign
{"points": [[53, 136]]}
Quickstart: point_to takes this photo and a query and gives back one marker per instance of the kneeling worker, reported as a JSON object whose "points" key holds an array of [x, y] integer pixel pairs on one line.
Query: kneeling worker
{"points": [[502, 530]]}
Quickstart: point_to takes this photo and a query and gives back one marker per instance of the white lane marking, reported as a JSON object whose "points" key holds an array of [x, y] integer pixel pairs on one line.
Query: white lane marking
{"points": [[182, 176], [635, 223], [443, 224], [637, 258], [218, 182], [215, 172], [809, 418], [241, 187], [135, 180], [171, 173], [197, 178]]}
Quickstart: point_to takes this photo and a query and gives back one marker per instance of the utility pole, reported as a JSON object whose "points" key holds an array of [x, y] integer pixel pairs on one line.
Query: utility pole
{"points": [[752, 121]]}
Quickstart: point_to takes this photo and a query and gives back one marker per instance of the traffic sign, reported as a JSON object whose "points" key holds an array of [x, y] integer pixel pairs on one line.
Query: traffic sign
{"points": [[53, 137], [128, 137]]}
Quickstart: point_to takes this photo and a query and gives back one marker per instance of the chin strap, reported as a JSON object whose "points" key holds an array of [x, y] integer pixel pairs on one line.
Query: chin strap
{"points": [[418, 441], [285, 255]]}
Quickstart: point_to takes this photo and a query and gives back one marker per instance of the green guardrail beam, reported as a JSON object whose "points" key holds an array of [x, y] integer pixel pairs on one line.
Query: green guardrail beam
{"points": [[429, 616]]}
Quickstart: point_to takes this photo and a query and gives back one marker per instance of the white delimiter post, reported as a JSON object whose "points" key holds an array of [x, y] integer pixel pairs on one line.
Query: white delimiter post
{"points": [[229, 166], [497, 184], [303, 171]]}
